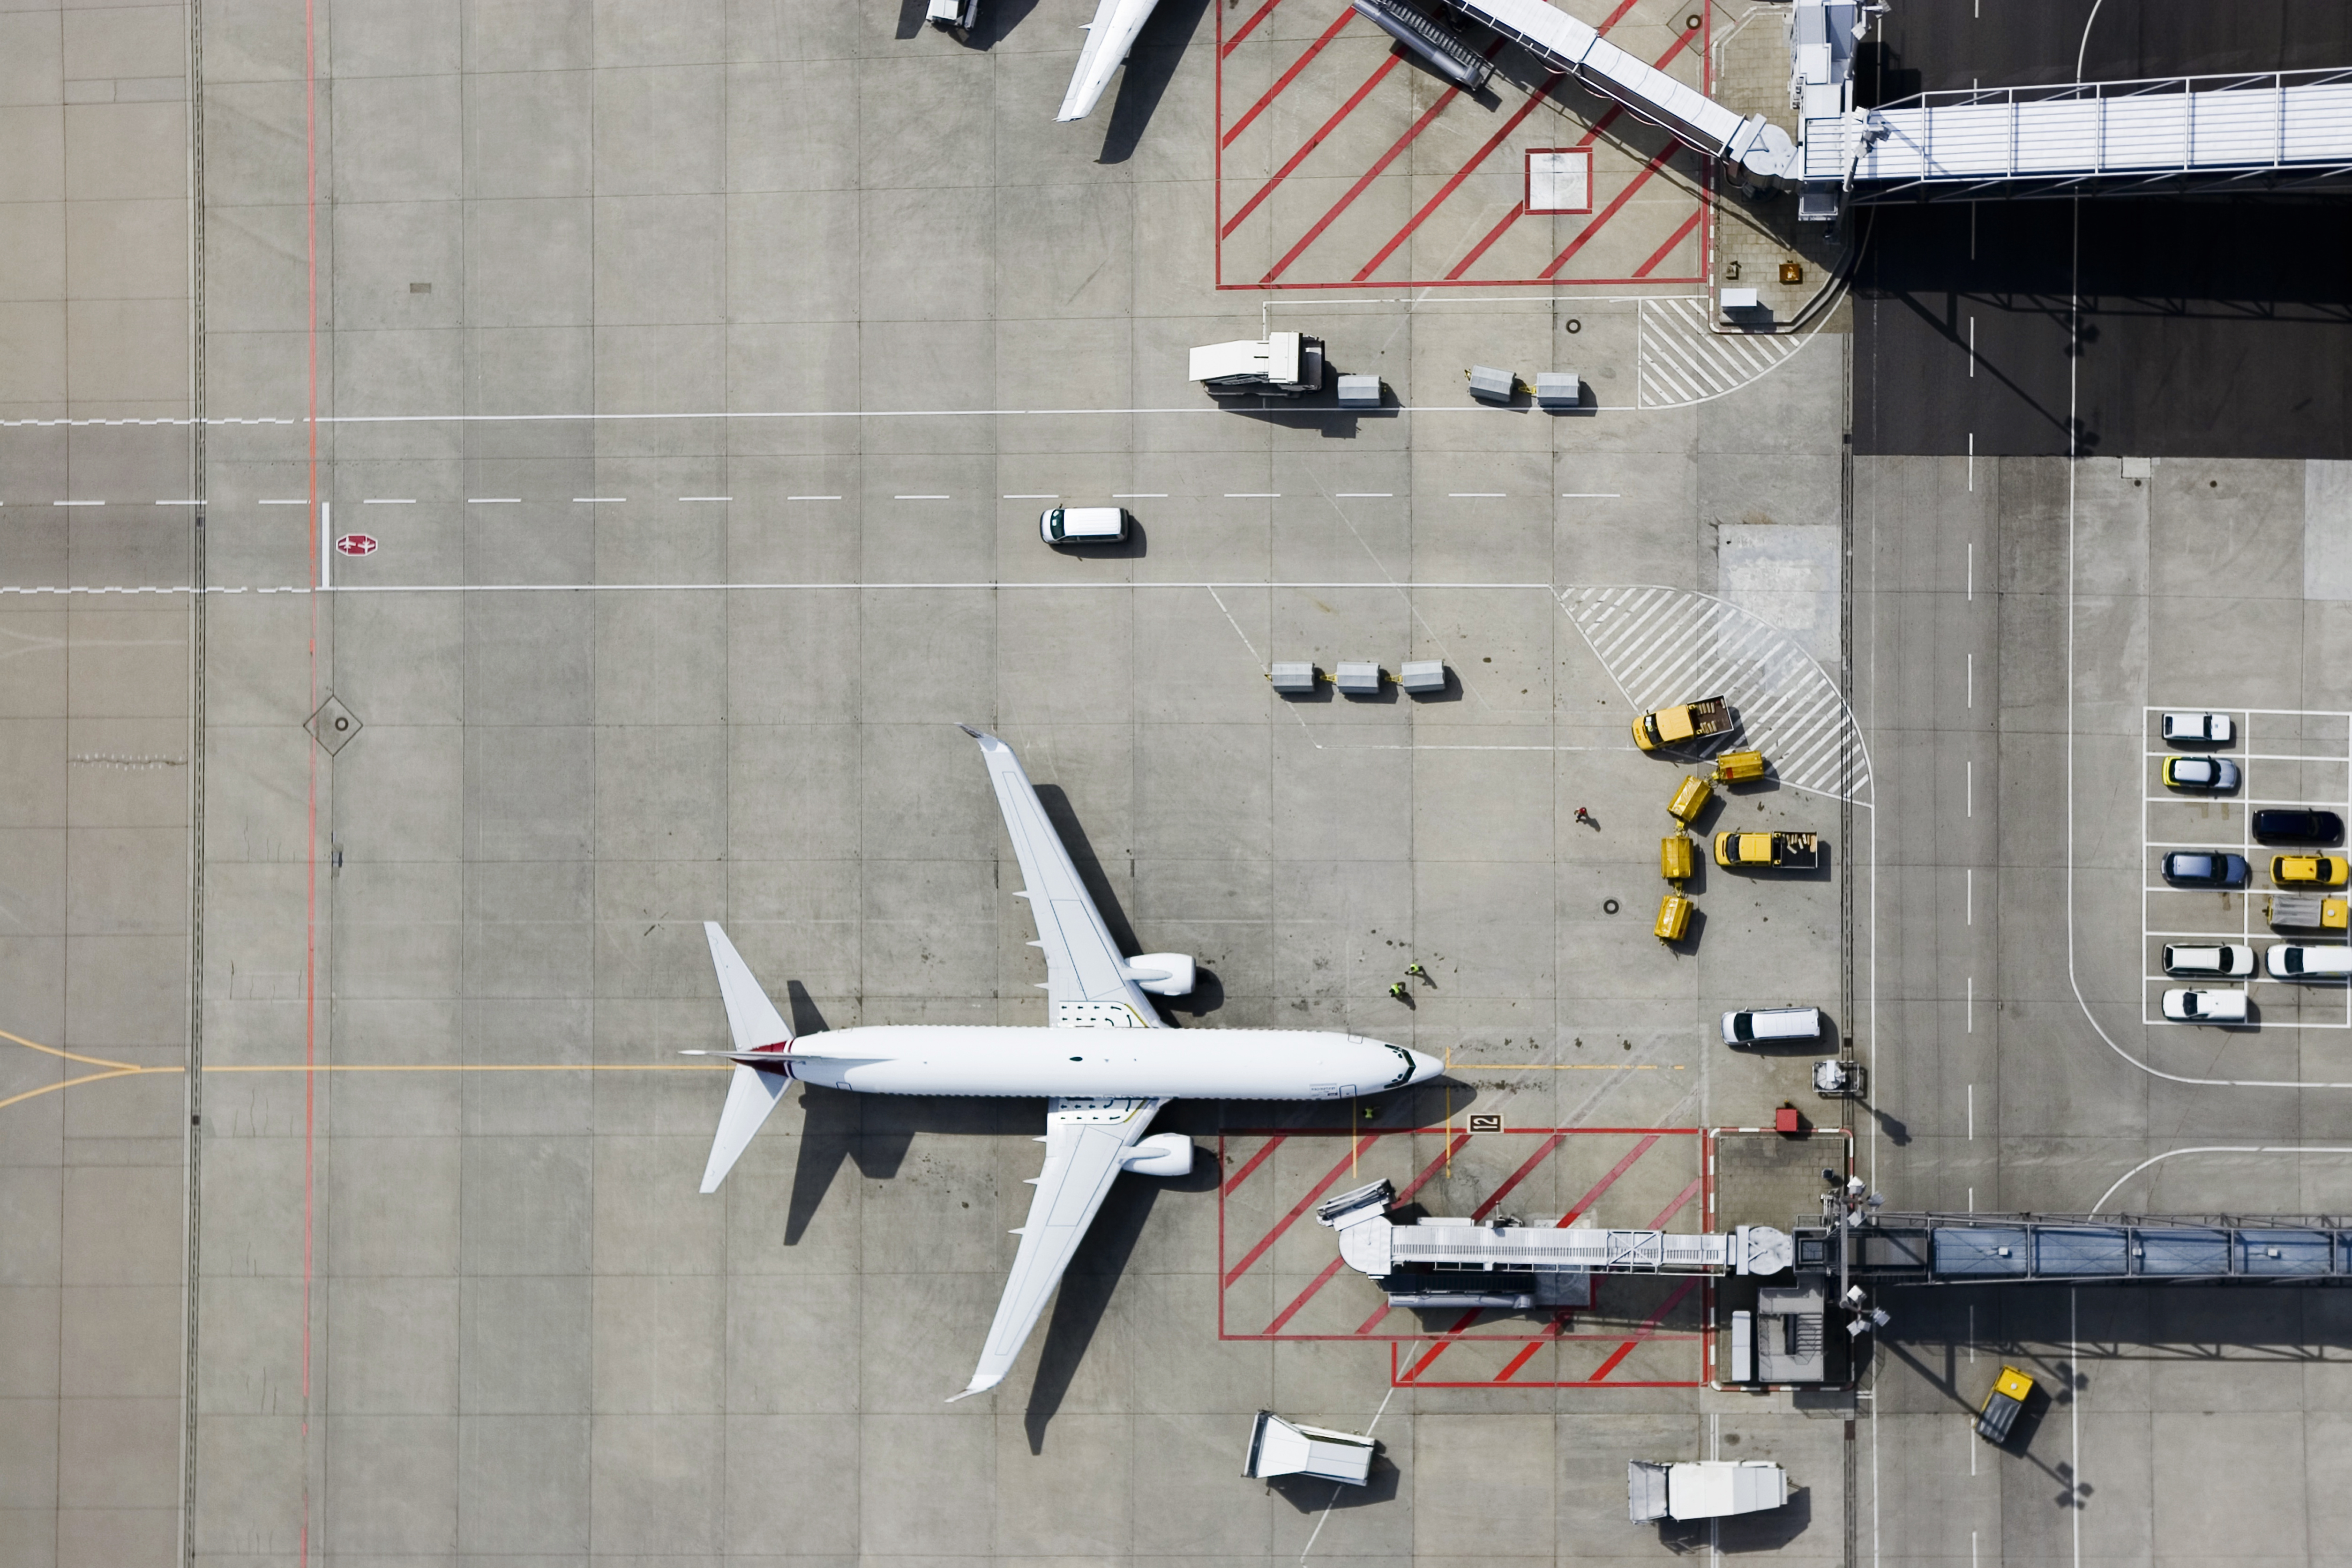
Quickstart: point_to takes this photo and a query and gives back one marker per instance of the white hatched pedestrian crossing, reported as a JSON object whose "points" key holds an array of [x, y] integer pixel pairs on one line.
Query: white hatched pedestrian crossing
{"points": [[1685, 361], [1664, 646]]}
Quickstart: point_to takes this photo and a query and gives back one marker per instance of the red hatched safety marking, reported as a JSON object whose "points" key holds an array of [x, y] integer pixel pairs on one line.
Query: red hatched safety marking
{"points": [[1293, 268], [1260, 15], [1615, 205], [1447, 189], [1255, 1161], [1287, 77], [1313, 141], [1355, 1150], [1404, 1195], [1649, 1327]]}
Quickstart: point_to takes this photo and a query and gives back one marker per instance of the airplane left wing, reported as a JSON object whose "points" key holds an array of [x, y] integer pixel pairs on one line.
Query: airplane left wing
{"points": [[1087, 1143], [1087, 982]]}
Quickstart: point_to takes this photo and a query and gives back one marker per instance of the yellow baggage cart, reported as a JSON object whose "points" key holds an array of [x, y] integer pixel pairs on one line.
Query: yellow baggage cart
{"points": [[1691, 797], [1674, 919], [1676, 854], [1739, 767]]}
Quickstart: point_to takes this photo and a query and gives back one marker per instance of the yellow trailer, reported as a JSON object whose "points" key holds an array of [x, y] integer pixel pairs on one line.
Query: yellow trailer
{"points": [[1739, 767], [1691, 797], [1674, 919], [1676, 857]]}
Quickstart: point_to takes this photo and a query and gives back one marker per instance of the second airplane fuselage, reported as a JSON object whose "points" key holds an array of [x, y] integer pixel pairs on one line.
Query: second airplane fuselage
{"points": [[1107, 1063]]}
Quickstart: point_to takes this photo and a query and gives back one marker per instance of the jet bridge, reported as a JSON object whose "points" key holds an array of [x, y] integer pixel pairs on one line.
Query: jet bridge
{"points": [[1505, 1265], [2015, 1248], [2277, 130]]}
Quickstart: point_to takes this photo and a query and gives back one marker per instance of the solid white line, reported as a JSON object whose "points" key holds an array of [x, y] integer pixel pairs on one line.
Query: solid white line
{"points": [[1972, 895], [811, 497], [1972, 1005], [386, 501], [1973, 1112], [1138, 494], [1589, 495], [597, 500], [179, 503], [1971, 769], [296, 501], [922, 497], [494, 500], [1972, 679], [1038, 497], [1476, 496], [1363, 495], [76, 503], [706, 497], [1253, 496]]}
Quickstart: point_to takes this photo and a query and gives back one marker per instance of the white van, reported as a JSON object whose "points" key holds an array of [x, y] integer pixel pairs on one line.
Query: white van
{"points": [[1083, 525], [2295, 961], [1770, 1024]]}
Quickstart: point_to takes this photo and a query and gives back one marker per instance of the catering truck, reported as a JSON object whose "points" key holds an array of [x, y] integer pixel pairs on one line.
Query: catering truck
{"points": [[1702, 1489], [1684, 721], [1281, 364]]}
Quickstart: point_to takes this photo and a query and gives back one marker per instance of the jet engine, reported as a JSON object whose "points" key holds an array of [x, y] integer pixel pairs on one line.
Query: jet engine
{"points": [[1162, 974], [1161, 1154]]}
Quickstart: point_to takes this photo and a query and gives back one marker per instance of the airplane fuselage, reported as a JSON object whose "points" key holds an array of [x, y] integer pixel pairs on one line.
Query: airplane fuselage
{"points": [[1105, 1063]]}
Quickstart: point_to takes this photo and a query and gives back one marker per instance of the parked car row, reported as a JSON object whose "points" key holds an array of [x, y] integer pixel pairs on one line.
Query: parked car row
{"points": [[2219, 868], [2282, 961]]}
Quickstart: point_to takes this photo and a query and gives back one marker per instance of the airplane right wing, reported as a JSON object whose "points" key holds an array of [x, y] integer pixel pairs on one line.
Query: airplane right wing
{"points": [[1087, 982], [1087, 1143], [1109, 37]]}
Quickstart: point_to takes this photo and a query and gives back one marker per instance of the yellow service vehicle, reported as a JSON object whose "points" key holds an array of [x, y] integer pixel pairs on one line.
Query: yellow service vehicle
{"points": [[1676, 855], [1780, 852], [2309, 909], [1684, 721], [2010, 1393], [1674, 917], [2310, 870], [1691, 797]]}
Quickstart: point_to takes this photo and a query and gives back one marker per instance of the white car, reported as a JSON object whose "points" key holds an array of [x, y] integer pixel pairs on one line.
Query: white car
{"points": [[2200, 728], [2205, 1007], [2296, 961], [1083, 525], [1770, 1024], [2228, 959]]}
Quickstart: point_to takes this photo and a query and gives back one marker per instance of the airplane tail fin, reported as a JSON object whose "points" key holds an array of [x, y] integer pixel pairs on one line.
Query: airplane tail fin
{"points": [[758, 1031]]}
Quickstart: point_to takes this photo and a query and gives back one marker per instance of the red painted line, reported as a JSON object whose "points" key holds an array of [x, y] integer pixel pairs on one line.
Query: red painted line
{"points": [[1676, 1207], [1313, 141], [1551, 1331], [1611, 211], [1622, 1350], [1404, 1193], [1418, 1367], [1681, 233], [1255, 1161], [1330, 1271], [1260, 15], [1301, 1207], [1518, 210], [1518, 1176], [1287, 77], [1605, 1183], [1385, 159], [1460, 174]]}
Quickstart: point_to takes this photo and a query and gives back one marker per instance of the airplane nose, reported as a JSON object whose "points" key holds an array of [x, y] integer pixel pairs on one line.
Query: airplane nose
{"points": [[1425, 1066]]}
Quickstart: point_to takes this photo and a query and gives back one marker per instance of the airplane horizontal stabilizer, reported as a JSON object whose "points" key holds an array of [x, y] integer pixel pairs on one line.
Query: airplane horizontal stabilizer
{"points": [[752, 1017], [750, 1098]]}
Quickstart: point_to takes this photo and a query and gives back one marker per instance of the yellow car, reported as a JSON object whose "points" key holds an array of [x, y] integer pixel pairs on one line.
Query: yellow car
{"points": [[2002, 1405], [2310, 870]]}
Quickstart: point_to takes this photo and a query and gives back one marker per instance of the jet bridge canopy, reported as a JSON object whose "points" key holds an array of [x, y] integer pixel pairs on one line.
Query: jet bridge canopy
{"points": [[1928, 1248], [2271, 130]]}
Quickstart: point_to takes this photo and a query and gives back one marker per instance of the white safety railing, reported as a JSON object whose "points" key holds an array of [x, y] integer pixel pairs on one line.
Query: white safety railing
{"points": [[2290, 123]]}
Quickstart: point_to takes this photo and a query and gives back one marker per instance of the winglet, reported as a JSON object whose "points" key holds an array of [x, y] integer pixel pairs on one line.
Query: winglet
{"points": [[980, 1384]]}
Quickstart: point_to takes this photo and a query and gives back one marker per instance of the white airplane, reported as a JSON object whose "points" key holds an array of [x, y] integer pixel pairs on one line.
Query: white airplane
{"points": [[1109, 37], [1101, 1088]]}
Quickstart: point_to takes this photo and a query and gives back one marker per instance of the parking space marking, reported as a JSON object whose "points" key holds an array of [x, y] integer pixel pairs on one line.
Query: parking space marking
{"points": [[1666, 644], [2246, 800]]}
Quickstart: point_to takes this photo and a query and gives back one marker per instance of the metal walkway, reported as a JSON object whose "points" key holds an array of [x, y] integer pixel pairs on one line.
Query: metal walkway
{"points": [[1986, 1249], [2271, 130]]}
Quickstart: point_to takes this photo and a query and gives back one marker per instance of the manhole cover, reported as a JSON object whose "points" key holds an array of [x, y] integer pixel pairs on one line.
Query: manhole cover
{"points": [[333, 725]]}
